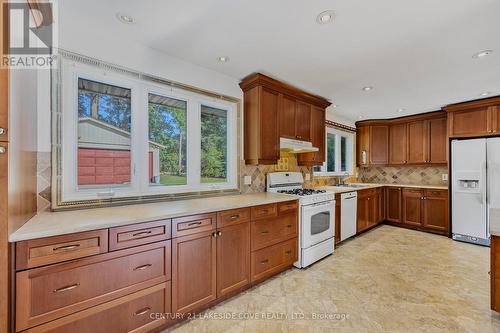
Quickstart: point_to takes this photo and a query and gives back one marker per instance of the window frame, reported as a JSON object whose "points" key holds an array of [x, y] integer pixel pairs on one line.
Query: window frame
{"points": [[349, 154], [139, 185]]}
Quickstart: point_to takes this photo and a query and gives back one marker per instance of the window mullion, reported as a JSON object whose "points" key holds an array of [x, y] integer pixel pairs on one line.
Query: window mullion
{"points": [[140, 138], [194, 143]]}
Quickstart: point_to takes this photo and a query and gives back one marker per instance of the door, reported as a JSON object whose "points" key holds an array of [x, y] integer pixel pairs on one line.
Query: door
{"points": [[4, 104], [470, 122], [436, 210], [269, 140], [317, 223], [493, 163], [412, 206], [373, 209], [393, 204], [362, 214], [287, 117], [193, 271], [379, 143], [303, 121], [362, 145], [438, 141], [397, 144], [468, 186], [233, 258], [417, 142]]}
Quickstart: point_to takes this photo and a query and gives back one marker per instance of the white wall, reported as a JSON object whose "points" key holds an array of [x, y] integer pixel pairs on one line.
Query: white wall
{"points": [[333, 116]]}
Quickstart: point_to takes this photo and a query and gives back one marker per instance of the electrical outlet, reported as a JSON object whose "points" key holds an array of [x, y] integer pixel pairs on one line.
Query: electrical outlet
{"points": [[308, 177], [444, 176], [247, 180]]}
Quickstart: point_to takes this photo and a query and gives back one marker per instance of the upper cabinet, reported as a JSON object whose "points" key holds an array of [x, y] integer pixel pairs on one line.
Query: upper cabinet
{"points": [[416, 140], [273, 109], [474, 119]]}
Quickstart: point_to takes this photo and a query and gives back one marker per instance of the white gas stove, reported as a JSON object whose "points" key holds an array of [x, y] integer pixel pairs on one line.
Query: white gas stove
{"points": [[316, 218]]}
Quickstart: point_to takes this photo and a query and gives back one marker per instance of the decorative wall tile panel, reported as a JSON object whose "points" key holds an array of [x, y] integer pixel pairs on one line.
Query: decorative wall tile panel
{"points": [[423, 175]]}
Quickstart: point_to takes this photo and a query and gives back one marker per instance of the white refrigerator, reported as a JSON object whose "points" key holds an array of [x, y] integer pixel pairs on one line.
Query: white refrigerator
{"points": [[475, 188]]}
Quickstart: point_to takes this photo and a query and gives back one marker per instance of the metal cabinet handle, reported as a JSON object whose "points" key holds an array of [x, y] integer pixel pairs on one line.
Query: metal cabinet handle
{"points": [[66, 247], [234, 217], [194, 223], [2, 150], [264, 261], [142, 267], [66, 288], [265, 232], [2, 130], [289, 226], [142, 311], [214, 234], [288, 252], [219, 233], [142, 233]]}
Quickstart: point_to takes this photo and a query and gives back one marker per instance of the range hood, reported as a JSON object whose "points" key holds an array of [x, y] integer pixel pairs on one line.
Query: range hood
{"points": [[296, 146]]}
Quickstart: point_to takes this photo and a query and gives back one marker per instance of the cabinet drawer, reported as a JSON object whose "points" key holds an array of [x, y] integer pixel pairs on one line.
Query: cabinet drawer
{"points": [[51, 292], [189, 225], [272, 259], [268, 232], [132, 313], [264, 211], [288, 207], [232, 217], [50, 250], [139, 234], [436, 193], [367, 192], [413, 191]]}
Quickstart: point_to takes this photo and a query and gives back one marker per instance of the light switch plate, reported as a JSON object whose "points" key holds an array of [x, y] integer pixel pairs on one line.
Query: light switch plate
{"points": [[308, 176], [247, 180], [444, 176]]}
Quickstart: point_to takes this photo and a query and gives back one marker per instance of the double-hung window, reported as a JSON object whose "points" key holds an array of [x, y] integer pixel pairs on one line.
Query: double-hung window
{"points": [[339, 159], [123, 136]]}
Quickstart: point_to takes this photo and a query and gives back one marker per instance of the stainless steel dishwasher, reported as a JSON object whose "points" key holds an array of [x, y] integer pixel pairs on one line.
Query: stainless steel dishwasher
{"points": [[348, 211]]}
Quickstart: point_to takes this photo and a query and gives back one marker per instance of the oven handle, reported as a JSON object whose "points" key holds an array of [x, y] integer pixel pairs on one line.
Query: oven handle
{"points": [[319, 204]]}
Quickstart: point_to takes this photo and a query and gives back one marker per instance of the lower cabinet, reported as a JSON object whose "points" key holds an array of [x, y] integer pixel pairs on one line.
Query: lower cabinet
{"points": [[194, 271], [393, 204], [412, 206], [495, 273], [142, 311], [426, 209], [371, 210]]}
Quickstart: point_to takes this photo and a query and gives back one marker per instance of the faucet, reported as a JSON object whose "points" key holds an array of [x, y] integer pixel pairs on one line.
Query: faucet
{"points": [[342, 178]]}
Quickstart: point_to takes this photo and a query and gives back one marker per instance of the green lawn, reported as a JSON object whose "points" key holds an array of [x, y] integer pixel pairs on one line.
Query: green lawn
{"points": [[182, 180]]}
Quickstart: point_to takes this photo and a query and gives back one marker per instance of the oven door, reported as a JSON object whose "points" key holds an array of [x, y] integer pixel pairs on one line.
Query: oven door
{"points": [[318, 223]]}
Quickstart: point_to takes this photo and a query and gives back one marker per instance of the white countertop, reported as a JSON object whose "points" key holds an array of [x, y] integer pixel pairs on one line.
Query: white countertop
{"points": [[495, 221], [341, 189], [60, 223]]}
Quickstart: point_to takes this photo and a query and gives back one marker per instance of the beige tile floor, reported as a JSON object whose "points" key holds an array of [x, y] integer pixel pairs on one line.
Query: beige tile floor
{"points": [[387, 280]]}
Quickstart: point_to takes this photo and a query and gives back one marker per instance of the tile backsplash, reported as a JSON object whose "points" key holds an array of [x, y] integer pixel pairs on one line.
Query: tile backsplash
{"points": [[418, 175]]}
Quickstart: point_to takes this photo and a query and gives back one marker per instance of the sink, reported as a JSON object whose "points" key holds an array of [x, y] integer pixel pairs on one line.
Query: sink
{"points": [[352, 185]]}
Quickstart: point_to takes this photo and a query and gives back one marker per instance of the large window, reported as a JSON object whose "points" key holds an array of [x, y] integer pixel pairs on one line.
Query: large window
{"points": [[339, 154], [123, 136]]}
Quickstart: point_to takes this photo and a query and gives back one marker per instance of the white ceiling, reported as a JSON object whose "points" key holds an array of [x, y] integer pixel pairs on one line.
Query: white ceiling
{"points": [[417, 54]]}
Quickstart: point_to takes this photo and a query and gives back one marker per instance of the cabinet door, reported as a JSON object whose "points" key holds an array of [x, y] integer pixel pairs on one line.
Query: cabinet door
{"points": [[269, 140], [362, 145], [397, 144], [381, 204], [495, 273], [317, 134], [412, 206], [4, 104], [303, 121], [495, 118], [393, 204], [379, 145], [193, 271], [337, 218], [362, 214], [438, 141], [287, 117], [471, 122], [417, 142], [436, 210], [373, 210], [233, 258]]}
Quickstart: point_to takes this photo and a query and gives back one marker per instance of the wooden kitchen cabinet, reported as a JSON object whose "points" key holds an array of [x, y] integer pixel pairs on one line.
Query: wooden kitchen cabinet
{"points": [[417, 142], [4, 106], [362, 146], [397, 144], [412, 206], [435, 210], [369, 210], [233, 258], [194, 271], [393, 204], [338, 215], [474, 119], [273, 109], [317, 138], [379, 145], [495, 273], [438, 141]]}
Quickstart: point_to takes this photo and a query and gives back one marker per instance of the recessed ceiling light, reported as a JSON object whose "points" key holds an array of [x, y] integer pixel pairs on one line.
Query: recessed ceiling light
{"points": [[482, 54], [360, 117], [368, 88], [334, 105], [486, 93], [325, 17], [124, 18], [223, 59], [401, 109]]}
